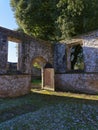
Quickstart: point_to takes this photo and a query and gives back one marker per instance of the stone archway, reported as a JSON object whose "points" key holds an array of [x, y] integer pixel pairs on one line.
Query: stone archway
{"points": [[37, 66]]}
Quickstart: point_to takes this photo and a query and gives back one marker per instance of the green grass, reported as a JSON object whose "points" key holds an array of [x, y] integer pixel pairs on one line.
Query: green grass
{"points": [[36, 81], [45, 110]]}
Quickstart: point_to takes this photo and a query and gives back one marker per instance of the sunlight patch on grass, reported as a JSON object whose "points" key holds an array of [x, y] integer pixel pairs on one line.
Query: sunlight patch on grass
{"points": [[66, 94]]}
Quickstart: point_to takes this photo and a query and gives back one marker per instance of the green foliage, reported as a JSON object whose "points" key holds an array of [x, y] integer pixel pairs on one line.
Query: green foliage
{"points": [[36, 81], [36, 17], [77, 60], [56, 19], [69, 20], [78, 16], [36, 65]]}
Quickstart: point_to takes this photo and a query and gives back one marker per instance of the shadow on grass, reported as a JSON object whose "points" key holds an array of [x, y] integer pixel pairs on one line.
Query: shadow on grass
{"points": [[12, 107]]}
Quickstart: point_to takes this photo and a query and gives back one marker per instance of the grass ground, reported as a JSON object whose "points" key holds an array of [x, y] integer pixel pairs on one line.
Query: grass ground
{"points": [[45, 110], [36, 81]]}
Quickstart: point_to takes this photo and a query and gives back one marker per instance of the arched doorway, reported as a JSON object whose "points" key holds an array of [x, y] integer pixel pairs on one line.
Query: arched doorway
{"points": [[38, 64]]}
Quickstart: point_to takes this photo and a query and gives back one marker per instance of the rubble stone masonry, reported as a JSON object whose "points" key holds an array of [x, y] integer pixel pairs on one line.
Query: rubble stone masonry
{"points": [[31, 48], [90, 50], [14, 85], [3, 53], [82, 83], [86, 82]]}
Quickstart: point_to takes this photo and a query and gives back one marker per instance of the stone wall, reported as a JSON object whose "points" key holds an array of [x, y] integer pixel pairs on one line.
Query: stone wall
{"points": [[79, 82], [14, 85], [31, 50], [14, 36], [36, 72], [60, 58], [90, 50], [28, 49], [3, 53], [12, 67], [83, 83]]}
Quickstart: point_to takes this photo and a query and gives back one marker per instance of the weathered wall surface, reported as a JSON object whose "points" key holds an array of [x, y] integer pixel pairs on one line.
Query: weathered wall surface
{"points": [[12, 67], [14, 36], [79, 82], [36, 72], [14, 85], [84, 83], [60, 58], [28, 49], [90, 50], [32, 49], [3, 53]]}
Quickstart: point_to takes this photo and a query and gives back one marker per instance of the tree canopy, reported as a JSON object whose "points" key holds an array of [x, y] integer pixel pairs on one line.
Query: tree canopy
{"points": [[56, 19]]}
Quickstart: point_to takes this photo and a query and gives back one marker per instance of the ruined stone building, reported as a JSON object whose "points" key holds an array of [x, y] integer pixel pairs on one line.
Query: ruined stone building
{"points": [[34, 51], [85, 81], [30, 50]]}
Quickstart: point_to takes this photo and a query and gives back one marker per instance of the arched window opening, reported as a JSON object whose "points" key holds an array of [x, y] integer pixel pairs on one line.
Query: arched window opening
{"points": [[76, 57]]}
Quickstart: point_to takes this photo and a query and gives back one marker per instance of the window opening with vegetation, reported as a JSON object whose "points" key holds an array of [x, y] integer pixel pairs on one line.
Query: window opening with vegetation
{"points": [[76, 57]]}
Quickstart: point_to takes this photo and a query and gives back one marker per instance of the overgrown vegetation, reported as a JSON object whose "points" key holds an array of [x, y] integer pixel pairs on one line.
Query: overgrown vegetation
{"points": [[49, 110], [56, 20]]}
